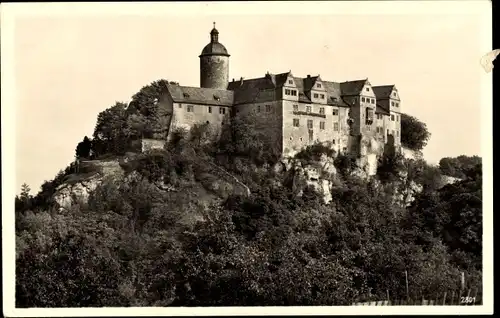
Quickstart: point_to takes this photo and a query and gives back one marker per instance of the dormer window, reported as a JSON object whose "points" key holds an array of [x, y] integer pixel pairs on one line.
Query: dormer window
{"points": [[394, 94], [322, 96], [290, 82], [367, 89], [333, 98], [186, 95], [316, 95], [217, 98], [318, 85]]}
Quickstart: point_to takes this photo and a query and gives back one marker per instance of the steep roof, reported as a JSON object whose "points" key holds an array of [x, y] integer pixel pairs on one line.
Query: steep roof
{"points": [[382, 92], [197, 95], [352, 87], [381, 110]]}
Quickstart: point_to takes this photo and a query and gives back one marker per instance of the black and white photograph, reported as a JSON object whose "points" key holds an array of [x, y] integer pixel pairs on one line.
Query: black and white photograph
{"points": [[215, 158]]}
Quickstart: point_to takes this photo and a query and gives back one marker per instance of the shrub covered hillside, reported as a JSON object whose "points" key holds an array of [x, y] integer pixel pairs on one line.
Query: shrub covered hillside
{"points": [[134, 244]]}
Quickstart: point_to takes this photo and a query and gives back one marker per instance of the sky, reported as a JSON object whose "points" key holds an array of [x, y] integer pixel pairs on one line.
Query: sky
{"points": [[70, 62]]}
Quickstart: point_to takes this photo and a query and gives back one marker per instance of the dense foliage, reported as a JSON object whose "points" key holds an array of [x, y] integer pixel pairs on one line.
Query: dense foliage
{"points": [[414, 133], [458, 167], [135, 244]]}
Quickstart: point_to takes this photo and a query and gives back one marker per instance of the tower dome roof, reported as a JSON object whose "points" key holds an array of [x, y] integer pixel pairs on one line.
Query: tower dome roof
{"points": [[214, 47]]}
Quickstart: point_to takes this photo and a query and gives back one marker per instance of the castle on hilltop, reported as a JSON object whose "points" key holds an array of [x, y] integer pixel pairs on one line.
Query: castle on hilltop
{"points": [[298, 110]]}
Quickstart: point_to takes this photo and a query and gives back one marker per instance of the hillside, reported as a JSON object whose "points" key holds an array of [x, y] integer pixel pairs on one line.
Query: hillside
{"points": [[225, 221]]}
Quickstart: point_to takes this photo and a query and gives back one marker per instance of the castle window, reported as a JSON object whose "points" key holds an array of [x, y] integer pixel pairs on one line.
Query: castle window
{"points": [[258, 108], [397, 118], [393, 104], [335, 126], [295, 122], [294, 92], [318, 85], [397, 104], [335, 112], [189, 108], [373, 101], [368, 127], [295, 108], [180, 105], [222, 110], [367, 89], [290, 82], [309, 124], [394, 94], [268, 108], [308, 109], [210, 109], [392, 117], [316, 95], [362, 99], [287, 92], [321, 125], [322, 96], [322, 111], [333, 141]]}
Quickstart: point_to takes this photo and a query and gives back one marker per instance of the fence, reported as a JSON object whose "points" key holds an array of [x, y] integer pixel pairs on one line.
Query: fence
{"points": [[470, 297]]}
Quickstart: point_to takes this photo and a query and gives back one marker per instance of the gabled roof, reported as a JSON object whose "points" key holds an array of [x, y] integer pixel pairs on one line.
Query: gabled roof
{"points": [[309, 82], [197, 95], [281, 78], [381, 110], [352, 87], [382, 92]]}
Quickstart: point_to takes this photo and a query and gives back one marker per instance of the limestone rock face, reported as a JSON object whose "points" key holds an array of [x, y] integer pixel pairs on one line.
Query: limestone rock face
{"points": [[67, 195], [77, 191], [317, 174]]}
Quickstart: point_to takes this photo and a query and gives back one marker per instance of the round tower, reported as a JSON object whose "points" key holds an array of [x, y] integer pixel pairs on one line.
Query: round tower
{"points": [[214, 63]]}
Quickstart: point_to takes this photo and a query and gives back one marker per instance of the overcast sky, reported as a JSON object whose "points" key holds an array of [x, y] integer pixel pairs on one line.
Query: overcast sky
{"points": [[71, 62]]}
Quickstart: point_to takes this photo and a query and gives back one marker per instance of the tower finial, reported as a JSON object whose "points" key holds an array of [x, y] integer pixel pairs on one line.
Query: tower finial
{"points": [[214, 25]]}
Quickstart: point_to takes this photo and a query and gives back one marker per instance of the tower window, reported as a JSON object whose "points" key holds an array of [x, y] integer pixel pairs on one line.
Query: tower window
{"points": [[318, 85], [295, 122], [335, 126], [310, 124], [210, 109], [189, 108]]}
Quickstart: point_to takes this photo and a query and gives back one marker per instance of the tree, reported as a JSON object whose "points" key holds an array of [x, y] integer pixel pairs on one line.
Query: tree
{"points": [[83, 148], [111, 133], [458, 166], [414, 133]]}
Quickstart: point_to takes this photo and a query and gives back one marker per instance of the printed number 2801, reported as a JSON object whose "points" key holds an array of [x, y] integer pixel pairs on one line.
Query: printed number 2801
{"points": [[467, 300]]}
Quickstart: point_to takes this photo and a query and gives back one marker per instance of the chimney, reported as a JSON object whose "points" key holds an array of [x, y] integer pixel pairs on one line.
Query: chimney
{"points": [[308, 76], [241, 81], [233, 80]]}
